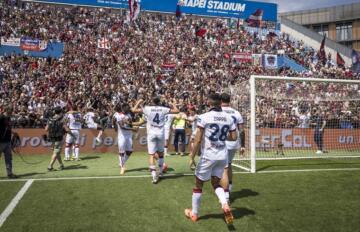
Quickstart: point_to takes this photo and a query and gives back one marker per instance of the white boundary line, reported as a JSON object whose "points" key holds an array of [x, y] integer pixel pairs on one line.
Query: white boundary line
{"points": [[178, 175], [4, 215]]}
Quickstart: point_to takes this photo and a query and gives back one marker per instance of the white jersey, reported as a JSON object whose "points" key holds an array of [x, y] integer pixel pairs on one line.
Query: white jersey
{"points": [[193, 120], [216, 125], [123, 124], [155, 117], [73, 120], [89, 118], [304, 120], [169, 120], [238, 119]]}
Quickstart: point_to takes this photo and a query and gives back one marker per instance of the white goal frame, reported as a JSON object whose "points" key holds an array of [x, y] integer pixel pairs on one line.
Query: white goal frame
{"points": [[252, 81]]}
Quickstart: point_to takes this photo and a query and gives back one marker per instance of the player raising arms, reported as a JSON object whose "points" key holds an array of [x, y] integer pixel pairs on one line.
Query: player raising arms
{"points": [[155, 117], [169, 118], [90, 118], [193, 120], [124, 125], [73, 121], [232, 146], [214, 128]]}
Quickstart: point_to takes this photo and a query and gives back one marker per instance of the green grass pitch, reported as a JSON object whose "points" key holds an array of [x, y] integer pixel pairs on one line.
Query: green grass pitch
{"points": [[268, 201]]}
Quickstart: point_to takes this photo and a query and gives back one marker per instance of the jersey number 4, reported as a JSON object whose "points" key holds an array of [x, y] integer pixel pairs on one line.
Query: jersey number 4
{"points": [[219, 133], [156, 118]]}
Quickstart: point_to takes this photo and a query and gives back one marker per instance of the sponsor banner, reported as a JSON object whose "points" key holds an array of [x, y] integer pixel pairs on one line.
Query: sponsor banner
{"points": [[32, 142], [10, 41], [213, 8], [304, 138], [270, 61], [32, 44], [243, 57]]}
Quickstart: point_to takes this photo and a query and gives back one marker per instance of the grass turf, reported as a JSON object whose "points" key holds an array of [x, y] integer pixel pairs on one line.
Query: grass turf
{"points": [[261, 202], [305, 201], [7, 191], [34, 166]]}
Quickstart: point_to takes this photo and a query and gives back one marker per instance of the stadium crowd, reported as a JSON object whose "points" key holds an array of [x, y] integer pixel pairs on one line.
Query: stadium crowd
{"points": [[157, 54]]}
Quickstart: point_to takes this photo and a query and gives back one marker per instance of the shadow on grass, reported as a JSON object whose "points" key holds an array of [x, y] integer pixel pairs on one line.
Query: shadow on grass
{"points": [[75, 166], [30, 174], [90, 157], [302, 164], [242, 194], [138, 169], [237, 213]]}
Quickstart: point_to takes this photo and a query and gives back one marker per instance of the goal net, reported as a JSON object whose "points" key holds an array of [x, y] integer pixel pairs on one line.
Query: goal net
{"points": [[298, 118]]}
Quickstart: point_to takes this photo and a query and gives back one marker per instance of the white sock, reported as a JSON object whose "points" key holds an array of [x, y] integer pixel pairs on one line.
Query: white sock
{"points": [[219, 191], [196, 199], [153, 171], [161, 164], [227, 195], [67, 152], [76, 152], [121, 160]]}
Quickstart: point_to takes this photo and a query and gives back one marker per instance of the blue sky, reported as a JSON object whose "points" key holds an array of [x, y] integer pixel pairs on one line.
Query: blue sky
{"points": [[293, 5]]}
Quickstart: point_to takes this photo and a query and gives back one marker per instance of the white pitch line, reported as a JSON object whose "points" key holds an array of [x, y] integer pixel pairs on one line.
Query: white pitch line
{"points": [[311, 170], [179, 174], [4, 215]]}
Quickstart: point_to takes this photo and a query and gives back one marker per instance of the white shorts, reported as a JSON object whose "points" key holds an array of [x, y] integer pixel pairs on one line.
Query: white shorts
{"points": [[92, 125], [167, 134], [75, 139], [125, 143], [155, 143], [205, 169]]}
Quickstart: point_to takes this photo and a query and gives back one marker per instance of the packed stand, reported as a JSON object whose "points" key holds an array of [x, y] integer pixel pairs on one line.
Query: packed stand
{"points": [[133, 68]]}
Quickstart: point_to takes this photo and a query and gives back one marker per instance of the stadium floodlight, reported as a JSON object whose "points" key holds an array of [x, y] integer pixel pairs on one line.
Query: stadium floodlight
{"points": [[298, 118]]}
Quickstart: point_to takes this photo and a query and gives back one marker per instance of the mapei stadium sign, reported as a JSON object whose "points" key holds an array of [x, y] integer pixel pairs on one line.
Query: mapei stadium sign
{"points": [[212, 8]]}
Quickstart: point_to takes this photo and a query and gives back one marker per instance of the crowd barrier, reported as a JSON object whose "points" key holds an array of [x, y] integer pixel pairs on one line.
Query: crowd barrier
{"points": [[32, 142]]}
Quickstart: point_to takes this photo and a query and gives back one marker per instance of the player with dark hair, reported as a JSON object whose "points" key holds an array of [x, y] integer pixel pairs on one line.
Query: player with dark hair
{"points": [[73, 121], [214, 128], [232, 146], [90, 117], [124, 125], [155, 118]]}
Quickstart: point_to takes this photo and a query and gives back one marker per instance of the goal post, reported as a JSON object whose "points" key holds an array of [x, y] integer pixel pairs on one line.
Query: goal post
{"points": [[298, 118]]}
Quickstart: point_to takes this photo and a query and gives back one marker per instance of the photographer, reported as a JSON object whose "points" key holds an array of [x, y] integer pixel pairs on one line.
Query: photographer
{"points": [[56, 131], [5, 140]]}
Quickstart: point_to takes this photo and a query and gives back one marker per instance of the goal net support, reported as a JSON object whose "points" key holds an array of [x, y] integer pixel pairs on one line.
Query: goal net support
{"points": [[298, 118]]}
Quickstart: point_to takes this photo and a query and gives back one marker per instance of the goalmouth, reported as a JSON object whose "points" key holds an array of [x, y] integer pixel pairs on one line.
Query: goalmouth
{"points": [[298, 118]]}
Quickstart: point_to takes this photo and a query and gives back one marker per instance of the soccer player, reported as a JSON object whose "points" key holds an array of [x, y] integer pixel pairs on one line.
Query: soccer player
{"points": [[73, 121], [168, 124], [214, 128], [124, 125], [232, 146], [89, 119], [155, 117], [193, 120]]}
